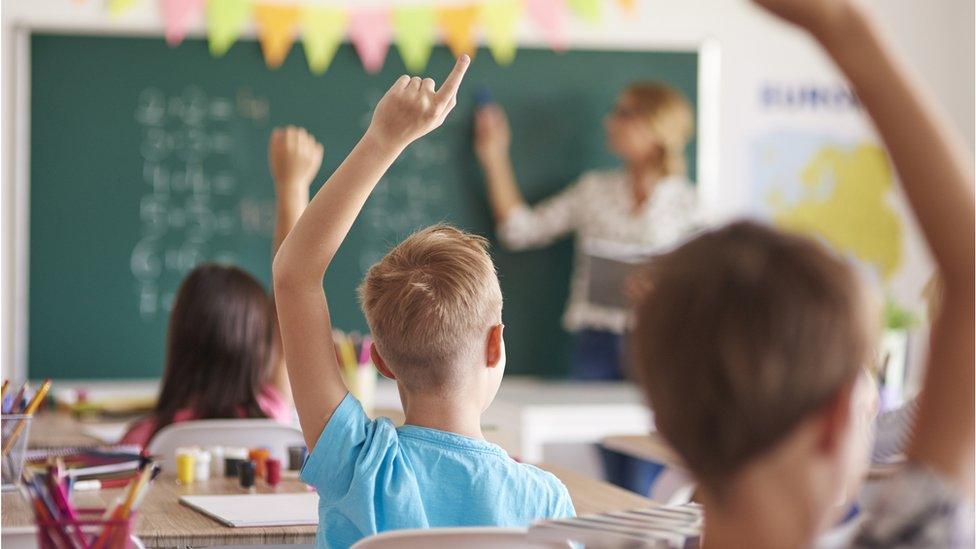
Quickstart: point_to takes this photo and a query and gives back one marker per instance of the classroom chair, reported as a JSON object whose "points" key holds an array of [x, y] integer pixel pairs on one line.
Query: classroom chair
{"points": [[674, 486], [450, 538], [249, 433]]}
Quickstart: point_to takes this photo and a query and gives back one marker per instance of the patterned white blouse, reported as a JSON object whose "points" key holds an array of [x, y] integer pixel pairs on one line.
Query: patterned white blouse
{"points": [[599, 209]]}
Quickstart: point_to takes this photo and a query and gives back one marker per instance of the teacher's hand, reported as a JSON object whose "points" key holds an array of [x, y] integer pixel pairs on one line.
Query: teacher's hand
{"points": [[492, 135], [636, 286]]}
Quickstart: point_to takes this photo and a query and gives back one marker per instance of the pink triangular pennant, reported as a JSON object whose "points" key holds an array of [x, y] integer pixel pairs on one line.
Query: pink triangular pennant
{"points": [[551, 17], [178, 17], [370, 32]]}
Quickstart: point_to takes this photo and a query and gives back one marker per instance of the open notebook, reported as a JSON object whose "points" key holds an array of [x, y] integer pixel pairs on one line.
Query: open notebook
{"points": [[244, 510]]}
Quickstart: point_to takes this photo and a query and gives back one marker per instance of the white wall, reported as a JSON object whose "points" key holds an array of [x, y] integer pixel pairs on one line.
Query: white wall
{"points": [[938, 38]]}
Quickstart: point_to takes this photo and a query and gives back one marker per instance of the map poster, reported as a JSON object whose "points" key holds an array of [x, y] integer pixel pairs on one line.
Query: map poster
{"points": [[816, 167]]}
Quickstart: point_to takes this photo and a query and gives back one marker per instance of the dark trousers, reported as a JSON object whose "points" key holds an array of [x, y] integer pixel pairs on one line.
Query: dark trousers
{"points": [[600, 356]]}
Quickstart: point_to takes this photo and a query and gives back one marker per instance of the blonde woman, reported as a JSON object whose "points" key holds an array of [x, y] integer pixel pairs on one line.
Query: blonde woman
{"points": [[647, 205]]}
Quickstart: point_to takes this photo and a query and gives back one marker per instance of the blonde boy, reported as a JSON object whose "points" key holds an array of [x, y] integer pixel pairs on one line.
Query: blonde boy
{"points": [[434, 307]]}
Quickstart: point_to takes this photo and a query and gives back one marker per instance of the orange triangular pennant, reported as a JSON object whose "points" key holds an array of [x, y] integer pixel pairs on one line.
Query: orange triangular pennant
{"points": [[457, 23], [276, 26]]}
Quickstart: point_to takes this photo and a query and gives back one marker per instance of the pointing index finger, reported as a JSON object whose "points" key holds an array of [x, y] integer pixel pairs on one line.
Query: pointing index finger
{"points": [[453, 81]]}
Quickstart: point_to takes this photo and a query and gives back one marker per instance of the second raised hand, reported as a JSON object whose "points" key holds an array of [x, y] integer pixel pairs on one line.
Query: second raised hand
{"points": [[412, 108]]}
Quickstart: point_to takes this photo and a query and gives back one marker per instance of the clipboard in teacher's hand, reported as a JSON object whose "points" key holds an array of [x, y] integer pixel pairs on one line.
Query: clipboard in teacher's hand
{"points": [[610, 264]]}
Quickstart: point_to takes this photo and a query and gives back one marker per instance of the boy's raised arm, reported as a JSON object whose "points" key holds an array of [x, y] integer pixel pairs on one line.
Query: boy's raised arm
{"points": [[936, 173], [409, 110]]}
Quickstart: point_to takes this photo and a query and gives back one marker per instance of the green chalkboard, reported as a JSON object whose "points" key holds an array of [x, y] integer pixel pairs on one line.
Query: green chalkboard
{"points": [[146, 160]]}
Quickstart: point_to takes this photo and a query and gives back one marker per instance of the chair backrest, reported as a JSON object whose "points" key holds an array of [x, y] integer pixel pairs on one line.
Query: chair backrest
{"points": [[449, 538], [674, 486], [249, 433]]}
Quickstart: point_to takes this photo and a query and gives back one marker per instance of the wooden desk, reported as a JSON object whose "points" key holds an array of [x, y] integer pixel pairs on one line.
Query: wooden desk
{"points": [[649, 447], [57, 430], [164, 522], [595, 496]]}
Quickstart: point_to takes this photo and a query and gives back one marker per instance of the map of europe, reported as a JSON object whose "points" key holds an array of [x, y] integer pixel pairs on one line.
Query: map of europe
{"points": [[838, 192]]}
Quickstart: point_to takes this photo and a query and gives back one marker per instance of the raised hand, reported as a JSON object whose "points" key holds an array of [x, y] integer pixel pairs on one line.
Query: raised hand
{"points": [[816, 16], [412, 108], [492, 135], [294, 157]]}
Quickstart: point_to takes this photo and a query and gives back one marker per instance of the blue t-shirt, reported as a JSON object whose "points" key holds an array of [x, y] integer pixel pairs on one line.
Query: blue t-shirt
{"points": [[372, 477]]}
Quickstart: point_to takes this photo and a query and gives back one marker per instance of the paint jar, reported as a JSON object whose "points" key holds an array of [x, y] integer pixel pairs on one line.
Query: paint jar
{"points": [[296, 457], [259, 456], [233, 457], [186, 465], [272, 473], [202, 466], [245, 473], [216, 461]]}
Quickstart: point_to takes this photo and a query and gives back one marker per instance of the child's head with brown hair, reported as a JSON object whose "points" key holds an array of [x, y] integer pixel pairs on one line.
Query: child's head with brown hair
{"points": [[750, 348], [219, 346], [651, 124], [434, 307]]}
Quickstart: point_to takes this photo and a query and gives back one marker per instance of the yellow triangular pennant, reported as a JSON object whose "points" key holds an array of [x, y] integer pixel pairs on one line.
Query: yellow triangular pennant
{"points": [[322, 30], [119, 7], [413, 32], [225, 21], [500, 18], [587, 10]]}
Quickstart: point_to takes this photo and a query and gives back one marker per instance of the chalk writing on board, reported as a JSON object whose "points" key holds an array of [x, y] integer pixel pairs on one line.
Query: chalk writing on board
{"points": [[406, 199], [190, 210]]}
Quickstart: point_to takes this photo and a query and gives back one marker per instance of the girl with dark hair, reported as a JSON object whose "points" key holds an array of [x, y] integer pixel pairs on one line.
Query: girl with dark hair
{"points": [[223, 356]]}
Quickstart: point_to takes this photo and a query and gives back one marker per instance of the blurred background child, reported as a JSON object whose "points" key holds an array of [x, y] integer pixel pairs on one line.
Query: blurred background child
{"points": [[223, 347]]}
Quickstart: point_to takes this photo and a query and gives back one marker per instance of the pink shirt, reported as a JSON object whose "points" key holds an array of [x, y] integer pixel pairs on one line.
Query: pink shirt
{"points": [[269, 399]]}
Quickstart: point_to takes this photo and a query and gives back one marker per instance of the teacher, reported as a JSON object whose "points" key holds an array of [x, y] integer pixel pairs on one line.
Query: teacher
{"points": [[616, 215]]}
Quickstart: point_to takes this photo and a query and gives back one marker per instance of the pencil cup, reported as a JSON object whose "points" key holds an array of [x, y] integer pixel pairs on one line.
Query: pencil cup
{"points": [[16, 428], [86, 531]]}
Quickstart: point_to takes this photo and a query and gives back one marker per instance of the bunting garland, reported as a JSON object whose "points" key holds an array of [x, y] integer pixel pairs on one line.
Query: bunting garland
{"points": [[323, 29], [587, 10], [118, 7], [178, 16], [551, 18], [225, 22], [628, 6], [412, 25], [457, 23], [276, 24], [370, 32], [414, 34], [500, 18]]}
